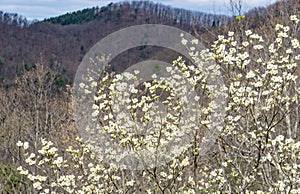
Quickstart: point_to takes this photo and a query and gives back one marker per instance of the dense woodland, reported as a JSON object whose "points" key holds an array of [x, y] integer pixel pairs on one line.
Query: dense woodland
{"points": [[38, 61], [65, 39]]}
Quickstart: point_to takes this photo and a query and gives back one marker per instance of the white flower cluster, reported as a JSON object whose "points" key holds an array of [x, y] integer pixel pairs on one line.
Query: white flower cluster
{"points": [[257, 150]]}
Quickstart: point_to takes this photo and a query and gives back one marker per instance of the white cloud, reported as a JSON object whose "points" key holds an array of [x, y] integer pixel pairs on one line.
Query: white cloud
{"points": [[40, 9]]}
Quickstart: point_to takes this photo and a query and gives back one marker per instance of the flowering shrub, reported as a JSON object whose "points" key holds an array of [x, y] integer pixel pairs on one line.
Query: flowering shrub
{"points": [[155, 140]]}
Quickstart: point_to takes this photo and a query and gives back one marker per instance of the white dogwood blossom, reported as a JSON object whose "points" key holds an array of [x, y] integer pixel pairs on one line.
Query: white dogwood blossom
{"points": [[240, 136]]}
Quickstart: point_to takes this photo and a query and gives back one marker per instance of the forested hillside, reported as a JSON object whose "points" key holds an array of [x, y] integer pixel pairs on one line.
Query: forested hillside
{"points": [[65, 39]]}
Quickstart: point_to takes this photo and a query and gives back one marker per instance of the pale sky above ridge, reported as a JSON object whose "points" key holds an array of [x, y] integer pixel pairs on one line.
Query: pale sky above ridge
{"points": [[40, 9]]}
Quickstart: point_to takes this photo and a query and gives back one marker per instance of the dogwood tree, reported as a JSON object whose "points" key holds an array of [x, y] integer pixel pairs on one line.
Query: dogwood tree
{"points": [[241, 135]]}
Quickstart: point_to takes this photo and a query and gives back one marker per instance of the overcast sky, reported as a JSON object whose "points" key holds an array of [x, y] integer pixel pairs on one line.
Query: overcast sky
{"points": [[40, 9]]}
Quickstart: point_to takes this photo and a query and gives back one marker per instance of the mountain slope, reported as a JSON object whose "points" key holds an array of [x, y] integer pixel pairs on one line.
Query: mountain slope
{"points": [[66, 39]]}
